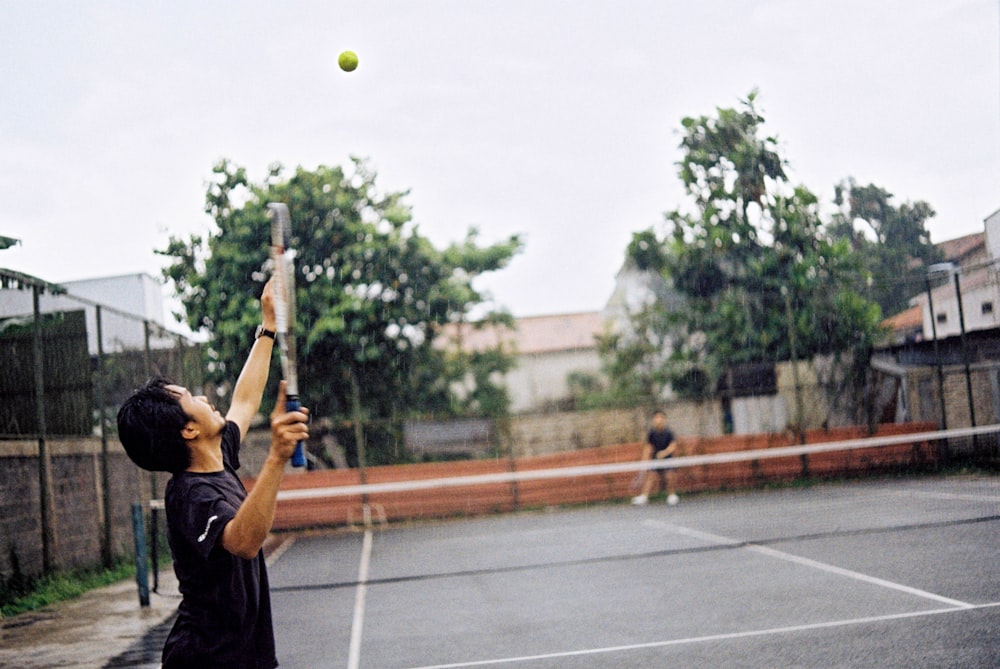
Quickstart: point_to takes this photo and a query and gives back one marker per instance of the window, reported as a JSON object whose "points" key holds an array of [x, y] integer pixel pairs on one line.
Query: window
{"points": [[942, 318], [987, 308]]}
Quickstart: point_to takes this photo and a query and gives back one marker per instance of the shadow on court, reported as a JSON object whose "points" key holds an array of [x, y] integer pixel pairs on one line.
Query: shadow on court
{"points": [[894, 573]]}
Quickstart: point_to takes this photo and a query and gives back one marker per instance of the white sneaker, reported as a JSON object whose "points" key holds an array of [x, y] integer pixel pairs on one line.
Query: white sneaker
{"points": [[640, 500], [673, 499]]}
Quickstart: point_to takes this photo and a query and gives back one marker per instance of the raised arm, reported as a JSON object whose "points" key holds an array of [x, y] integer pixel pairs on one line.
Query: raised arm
{"points": [[249, 387], [245, 533]]}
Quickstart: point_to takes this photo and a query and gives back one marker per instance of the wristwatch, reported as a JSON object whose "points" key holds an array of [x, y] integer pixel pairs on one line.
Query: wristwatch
{"points": [[261, 332]]}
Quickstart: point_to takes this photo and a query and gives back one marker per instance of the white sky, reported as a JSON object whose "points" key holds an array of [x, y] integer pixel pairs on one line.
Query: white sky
{"points": [[555, 119]]}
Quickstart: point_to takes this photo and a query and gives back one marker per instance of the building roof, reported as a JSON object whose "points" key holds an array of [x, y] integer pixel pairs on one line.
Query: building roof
{"points": [[12, 279], [533, 335], [912, 318], [955, 250]]}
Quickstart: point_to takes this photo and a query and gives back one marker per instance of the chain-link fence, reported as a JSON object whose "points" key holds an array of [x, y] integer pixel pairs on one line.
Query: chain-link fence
{"points": [[66, 365]]}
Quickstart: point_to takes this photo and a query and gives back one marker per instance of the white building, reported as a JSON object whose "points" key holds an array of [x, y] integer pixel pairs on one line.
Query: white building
{"points": [[128, 303], [547, 350], [973, 259]]}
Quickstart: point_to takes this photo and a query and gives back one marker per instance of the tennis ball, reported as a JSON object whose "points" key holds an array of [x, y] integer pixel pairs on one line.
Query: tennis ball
{"points": [[348, 61]]}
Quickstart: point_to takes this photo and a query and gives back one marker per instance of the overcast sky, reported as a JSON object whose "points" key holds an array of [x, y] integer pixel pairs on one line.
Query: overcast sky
{"points": [[554, 119]]}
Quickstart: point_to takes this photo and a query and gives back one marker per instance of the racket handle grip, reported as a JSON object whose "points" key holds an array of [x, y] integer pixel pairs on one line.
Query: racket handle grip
{"points": [[299, 456]]}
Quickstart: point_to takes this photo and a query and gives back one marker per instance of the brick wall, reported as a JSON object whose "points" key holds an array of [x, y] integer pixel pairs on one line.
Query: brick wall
{"points": [[77, 500], [20, 527], [925, 405]]}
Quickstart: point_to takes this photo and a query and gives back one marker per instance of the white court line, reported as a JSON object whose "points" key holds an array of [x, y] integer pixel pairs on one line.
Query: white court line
{"points": [[814, 564], [704, 639], [695, 534], [864, 578], [964, 497], [279, 551], [357, 624]]}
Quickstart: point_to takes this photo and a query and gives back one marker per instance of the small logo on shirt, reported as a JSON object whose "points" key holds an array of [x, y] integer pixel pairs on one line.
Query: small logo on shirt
{"points": [[207, 527]]}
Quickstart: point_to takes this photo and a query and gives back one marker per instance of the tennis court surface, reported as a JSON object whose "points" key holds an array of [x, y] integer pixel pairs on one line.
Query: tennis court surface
{"points": [[893, 572]]}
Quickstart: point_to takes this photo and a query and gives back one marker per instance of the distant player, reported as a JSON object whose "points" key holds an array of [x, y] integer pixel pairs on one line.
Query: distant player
{"points": [[660, 443], [216, 530]]}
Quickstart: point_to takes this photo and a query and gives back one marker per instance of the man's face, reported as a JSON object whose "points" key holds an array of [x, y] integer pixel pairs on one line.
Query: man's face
{"points": [[201, 411], [659, 421]]}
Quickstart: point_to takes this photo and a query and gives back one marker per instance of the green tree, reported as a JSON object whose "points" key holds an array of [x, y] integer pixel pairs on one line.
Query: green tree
{"points": [[372, 293], [759, 277], [891, 241]]}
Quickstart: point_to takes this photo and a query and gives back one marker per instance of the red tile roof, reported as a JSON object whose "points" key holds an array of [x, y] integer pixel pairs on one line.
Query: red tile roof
{"points": [[958, 248], [912, 318], [954, 250]]}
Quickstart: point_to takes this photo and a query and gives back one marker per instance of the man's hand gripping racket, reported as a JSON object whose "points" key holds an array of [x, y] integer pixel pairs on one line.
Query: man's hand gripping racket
{"points": [[282, 260]]}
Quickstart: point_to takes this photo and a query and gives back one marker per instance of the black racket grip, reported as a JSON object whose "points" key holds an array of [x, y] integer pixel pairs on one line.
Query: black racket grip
{"points": [[299, 456]]}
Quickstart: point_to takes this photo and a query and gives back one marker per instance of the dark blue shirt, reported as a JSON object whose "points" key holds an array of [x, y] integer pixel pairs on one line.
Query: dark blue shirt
{"points": [[224, 619], [660, 440]]}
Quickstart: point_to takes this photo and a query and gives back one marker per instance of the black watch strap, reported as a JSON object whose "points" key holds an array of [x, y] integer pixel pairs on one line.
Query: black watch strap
{"points": [[261, 332]]}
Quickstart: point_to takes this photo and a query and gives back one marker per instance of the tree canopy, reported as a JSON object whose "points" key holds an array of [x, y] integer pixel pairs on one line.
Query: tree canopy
{"points": [[372, 293], [759, 275], [892, 241]]}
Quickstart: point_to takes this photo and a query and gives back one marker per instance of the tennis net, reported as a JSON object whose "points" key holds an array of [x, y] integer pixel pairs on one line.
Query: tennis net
{"points": [[609, 474]]}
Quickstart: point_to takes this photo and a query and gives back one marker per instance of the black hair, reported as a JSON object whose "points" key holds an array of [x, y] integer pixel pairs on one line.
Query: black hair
{"points": [[150, 422]]}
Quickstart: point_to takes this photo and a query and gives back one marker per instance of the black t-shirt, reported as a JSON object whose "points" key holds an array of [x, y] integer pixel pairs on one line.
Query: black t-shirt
{"points": [[224, 619], [660, 440]]}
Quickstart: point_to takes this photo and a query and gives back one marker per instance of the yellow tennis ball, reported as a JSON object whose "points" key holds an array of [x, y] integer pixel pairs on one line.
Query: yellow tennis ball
{"points": [[348, 61]]}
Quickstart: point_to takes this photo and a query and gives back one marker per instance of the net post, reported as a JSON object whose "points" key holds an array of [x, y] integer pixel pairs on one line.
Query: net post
{"points": [[141, 567]]}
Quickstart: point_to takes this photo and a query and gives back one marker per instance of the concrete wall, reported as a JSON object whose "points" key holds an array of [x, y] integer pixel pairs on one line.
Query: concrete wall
{"points": [[543, 433], [540, 380], [558, 432]]}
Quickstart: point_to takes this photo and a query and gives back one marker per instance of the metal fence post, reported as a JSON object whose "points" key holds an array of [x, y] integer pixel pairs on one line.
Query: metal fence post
{"points": [[106, 550], [46, 501], [155, 506]]}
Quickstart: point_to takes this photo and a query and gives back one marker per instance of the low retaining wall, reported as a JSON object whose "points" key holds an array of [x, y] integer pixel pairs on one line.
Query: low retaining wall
{"points": [[77, 501], [502, 497]]}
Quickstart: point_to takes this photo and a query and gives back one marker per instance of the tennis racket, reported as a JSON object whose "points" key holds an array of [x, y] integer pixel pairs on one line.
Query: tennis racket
{"points": [[283, 271]]}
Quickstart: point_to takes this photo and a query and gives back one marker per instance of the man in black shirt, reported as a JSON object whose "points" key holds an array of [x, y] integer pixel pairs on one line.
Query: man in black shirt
{"points": [[215, 528], [660, 443]]}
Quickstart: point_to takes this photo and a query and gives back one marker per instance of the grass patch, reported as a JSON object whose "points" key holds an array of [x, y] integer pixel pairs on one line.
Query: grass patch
{"points": [[41, 591]]}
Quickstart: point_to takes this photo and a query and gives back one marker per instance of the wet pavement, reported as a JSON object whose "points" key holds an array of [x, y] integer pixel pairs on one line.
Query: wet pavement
{"points": [[103, 628]]}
